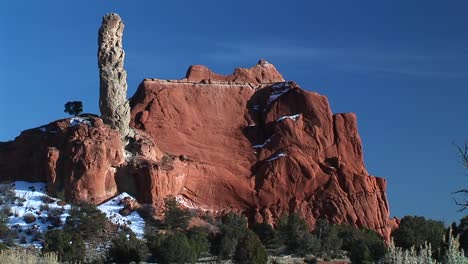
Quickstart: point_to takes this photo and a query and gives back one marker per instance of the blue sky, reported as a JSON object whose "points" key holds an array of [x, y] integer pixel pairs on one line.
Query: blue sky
{"points": [[400, 65]]}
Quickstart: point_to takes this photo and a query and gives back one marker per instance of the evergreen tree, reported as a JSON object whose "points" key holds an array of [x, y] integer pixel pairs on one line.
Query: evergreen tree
{"points": [[86, 220], [416, 230], [74, 108], [294, 233], [127, 248], [175, 216], [267, 235], [174, 248], [249, 250], [198, 238], [68, 246]]}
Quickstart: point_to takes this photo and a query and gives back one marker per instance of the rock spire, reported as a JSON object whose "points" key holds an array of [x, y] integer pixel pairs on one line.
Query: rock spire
{"points": [[113, 101]]}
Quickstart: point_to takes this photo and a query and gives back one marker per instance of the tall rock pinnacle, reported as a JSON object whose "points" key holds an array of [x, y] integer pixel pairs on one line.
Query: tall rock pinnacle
{"points": [[113, 101]]}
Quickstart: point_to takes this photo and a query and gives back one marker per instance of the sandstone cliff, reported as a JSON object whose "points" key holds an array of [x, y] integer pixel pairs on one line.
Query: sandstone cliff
{"points": [[261, 146], [249, 142]]}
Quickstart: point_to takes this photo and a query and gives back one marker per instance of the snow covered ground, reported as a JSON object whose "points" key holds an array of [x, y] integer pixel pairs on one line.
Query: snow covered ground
{"points": [[28, 208], [134, 221], [31, 211]]}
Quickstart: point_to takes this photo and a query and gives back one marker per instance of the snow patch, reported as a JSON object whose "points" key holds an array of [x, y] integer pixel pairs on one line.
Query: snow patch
{"points": [[134, 221], [292, 117], [262, 145], [42, 129], [278, 90], [185, 202], [277, 156], [78, 120]]}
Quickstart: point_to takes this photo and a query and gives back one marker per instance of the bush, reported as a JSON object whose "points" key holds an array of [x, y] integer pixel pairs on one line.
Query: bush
{"points": [[175, 217], [249, 250], [69, 247], [232, 228], [294, 233], [267, 235], [330, 243], [127, 248], [86, 220], [4, 230], [24, 256], [29, 218], [198, 238], [363, 245], [174, 248], [54, 216], [414, 231]]}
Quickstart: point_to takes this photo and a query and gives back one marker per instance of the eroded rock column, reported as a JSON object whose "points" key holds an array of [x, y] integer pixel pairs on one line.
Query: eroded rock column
{"points": [[113, 103]]}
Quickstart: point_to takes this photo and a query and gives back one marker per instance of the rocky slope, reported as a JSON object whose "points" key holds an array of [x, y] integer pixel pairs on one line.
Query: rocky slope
{"points": [[248, 142]]}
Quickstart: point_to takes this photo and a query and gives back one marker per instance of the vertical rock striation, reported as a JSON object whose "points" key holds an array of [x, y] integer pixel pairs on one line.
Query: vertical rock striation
{"points": [[113, 101]]}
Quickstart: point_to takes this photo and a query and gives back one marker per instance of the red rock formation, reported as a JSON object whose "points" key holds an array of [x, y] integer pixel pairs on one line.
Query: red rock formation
{"points": [[260, 146], [247, 142], [79, 159]]}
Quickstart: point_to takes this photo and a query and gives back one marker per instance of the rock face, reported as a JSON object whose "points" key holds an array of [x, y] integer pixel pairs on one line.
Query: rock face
{"points": [[257, 145], [75, 156], [113, 101], [248, 142]]}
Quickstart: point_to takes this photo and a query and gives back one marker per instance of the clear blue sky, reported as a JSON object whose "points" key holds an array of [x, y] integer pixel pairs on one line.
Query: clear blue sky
{"points": [[402, 66]]}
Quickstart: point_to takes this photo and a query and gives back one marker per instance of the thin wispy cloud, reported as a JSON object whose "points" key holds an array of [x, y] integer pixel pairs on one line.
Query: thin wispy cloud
{"points": [[411, 63]]}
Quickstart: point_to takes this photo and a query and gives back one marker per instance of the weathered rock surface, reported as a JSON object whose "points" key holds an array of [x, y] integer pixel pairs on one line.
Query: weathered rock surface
{"points": [[113, 102], [248, 142], [259, 146], [76, 156]]}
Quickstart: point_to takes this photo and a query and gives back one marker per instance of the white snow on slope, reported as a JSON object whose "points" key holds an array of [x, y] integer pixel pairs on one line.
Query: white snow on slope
{"points": [[292, 117], [133, 221], [30, 200], [278, 90], [277, 156], [262, 145], [78, 120], [22, 198]]}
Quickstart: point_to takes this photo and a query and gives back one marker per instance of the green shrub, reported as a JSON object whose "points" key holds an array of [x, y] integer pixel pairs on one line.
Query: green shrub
{"points": [[174, 248], [198, 238], [86, 220], [363, 245], [414, 231], [69, 247], [249, 250], [294, 233], [267, 235], [330, 242], [232, 228], [175, 217], [127, 248]]}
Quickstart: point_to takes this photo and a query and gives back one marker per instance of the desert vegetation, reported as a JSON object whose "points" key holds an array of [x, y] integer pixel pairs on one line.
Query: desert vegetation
{"points": [[184, 236]]}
